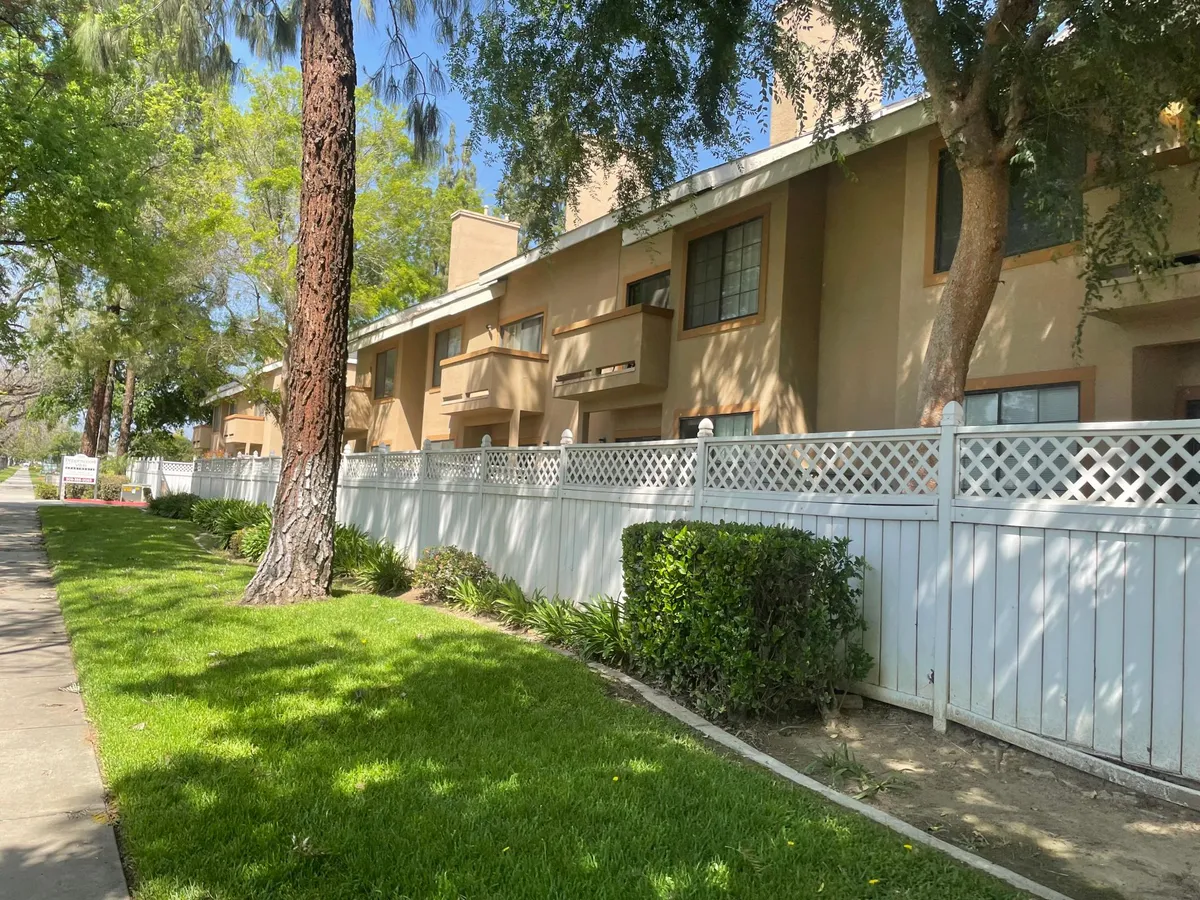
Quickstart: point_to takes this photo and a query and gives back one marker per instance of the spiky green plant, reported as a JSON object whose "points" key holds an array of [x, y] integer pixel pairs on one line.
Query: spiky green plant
{"points": [[600, 631]]}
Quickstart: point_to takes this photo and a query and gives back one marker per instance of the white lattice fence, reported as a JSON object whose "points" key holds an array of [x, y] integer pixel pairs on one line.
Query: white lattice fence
{"points": [[534, 467], [662, 464], [1154, 465]]}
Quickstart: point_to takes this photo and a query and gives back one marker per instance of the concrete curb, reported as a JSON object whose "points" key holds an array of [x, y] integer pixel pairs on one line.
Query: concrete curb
{"points": [[664, 703]]}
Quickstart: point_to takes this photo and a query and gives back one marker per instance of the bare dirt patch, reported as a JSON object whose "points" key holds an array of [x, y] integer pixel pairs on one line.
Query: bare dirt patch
{"points": [[1082, 836]]}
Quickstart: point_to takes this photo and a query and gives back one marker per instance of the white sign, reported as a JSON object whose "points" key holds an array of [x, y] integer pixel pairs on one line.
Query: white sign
{"points": [[80, 470]]}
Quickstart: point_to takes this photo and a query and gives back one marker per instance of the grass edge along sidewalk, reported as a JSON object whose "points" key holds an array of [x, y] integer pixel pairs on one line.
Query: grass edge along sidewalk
{"points": [[364, 746]]}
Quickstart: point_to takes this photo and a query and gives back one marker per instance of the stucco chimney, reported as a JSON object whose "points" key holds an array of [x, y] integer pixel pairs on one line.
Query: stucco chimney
{"points": [[817, 31], [597, 198], [477, 243]]}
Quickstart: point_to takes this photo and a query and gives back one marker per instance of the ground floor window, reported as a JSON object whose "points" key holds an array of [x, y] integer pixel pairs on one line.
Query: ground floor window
{"points": [[1024, 405], [729, 425]]}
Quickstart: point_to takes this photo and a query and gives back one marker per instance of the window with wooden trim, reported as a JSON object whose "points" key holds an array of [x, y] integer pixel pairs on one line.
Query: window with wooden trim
{"points": [[723, 275], [384, 375], [523, 334], [1034, 222], [446, 344], [727, 425], [654, 290], [1023, 405]]}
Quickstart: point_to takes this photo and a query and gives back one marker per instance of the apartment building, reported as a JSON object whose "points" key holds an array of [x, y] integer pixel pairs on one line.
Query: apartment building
{"points": [[241, 423], [774, 295]]}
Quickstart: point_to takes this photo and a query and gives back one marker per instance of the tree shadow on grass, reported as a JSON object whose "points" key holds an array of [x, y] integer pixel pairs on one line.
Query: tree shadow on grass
{"points": [[366, 748]]}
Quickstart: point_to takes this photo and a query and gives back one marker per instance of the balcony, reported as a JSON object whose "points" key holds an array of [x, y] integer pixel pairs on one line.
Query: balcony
{"points": [[242, 429], [358, 409], [1175, 293], [202, 439], [494, 379], [621, 352]]}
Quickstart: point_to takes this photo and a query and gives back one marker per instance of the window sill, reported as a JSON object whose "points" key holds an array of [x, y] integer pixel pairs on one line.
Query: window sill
{"points": [[717, 327], [1020, 260]]}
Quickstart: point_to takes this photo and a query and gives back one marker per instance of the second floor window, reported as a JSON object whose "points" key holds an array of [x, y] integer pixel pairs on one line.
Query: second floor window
{"points": [[730, 425], [524, 334], [385, 373], [446, 344], [723, 275], [1027, 231], [652, 291]]}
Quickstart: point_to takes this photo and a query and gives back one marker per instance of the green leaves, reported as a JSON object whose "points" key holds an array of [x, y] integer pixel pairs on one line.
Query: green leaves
{"points": [[743, 619]]}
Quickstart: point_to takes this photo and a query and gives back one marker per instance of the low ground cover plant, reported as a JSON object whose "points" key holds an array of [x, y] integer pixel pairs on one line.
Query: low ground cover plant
{"points": [[440, 569], [743, 619], [244, 528], [174, 506]]}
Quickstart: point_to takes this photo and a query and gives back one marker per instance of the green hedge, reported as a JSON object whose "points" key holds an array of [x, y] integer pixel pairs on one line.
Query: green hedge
{"points": [[743, 619]]}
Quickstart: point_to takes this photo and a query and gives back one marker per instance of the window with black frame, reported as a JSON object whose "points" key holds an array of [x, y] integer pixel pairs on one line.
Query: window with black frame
{"points": [[654, 290], [446, 344], [384, 375], [724, 271], [1029, 228]]}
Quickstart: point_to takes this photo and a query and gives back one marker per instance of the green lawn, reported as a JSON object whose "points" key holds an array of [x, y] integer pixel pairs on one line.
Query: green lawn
{"points": [[5, 473], [364, 747]]}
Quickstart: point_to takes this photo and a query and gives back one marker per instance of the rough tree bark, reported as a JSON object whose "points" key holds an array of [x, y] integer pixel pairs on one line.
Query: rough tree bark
{"points": [[298, 563], [126, 410], [91, 422], [105, 428], [970, 287]]}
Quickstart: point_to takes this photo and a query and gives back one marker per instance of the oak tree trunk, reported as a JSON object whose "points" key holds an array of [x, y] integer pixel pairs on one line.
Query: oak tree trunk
{"points": [[105, 427], [91, 422], [298, 563], [970, 287], [126, 410]]}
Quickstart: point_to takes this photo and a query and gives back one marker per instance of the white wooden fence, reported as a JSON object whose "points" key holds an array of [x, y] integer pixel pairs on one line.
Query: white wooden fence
{"points": [[1041, 584]]}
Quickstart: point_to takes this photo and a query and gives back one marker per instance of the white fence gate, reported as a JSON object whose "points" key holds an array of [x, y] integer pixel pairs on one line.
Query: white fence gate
{"points": [[1041, 584]]}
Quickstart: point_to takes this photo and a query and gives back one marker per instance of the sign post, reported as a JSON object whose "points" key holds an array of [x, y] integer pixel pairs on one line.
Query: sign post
{"points": [[79, 470]]}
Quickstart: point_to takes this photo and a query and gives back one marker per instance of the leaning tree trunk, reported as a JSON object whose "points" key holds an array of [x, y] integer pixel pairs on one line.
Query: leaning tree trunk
{"points": [[298, 563], [105, 427], [969, 290], [126, 410], [91, 424]]}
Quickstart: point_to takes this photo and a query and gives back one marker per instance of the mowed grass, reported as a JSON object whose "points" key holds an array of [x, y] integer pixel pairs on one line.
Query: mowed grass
{"points": [[6, 472], [364, 747]]}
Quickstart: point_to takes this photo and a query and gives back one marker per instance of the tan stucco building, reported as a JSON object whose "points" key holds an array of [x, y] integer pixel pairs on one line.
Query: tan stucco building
{"points": [[775, 294]]}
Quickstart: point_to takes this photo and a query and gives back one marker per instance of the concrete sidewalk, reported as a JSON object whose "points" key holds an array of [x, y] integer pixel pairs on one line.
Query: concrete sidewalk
{"points": [[51, 845]]}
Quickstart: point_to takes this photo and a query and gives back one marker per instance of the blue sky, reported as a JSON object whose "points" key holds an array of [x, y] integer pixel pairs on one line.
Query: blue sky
{"points": [[368, 46]]}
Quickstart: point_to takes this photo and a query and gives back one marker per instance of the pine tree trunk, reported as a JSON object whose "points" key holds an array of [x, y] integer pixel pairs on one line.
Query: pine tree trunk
{"points": [[91, 423], [969, 290], [298, 563], [127, 410], [105, 427]]}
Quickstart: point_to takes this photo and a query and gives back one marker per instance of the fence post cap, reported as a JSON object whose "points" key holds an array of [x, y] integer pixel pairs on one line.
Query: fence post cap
{"points": [[487, 441], [952, 413], [427, 444], [706, 427], [567, 437]]}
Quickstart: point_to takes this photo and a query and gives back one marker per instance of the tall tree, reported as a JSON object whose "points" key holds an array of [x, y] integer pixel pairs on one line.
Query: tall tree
{"points": [[126, 409], [637, 86], [298, 561], [104, 428]]}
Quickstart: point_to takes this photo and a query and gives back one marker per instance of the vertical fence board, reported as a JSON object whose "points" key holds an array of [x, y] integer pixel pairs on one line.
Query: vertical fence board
{"points": [[1190, 765], [1139, 649], [873, 598], [983, 621], [961, 579], [1167, 679], [1110, 625], [906, 632], [889, 662], [1054, 639], [927, 609], [1081, 639], [1008, 549]]}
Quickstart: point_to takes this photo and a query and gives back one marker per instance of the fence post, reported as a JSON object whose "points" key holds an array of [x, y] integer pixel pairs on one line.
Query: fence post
{"points": [[484, 446], [565, 442], [422, 489], [702, 436], [951, 417]]}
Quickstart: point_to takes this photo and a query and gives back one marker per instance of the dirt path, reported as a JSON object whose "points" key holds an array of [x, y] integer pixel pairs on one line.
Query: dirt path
{"points": [[1077, 834]]}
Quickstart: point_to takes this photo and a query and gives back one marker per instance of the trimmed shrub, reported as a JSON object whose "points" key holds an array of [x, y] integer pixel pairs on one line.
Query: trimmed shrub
{"points": [[385, 571], [108, 489], [44, 490], [599, 630], [441, 568], [173, 506], [743, 619]]}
